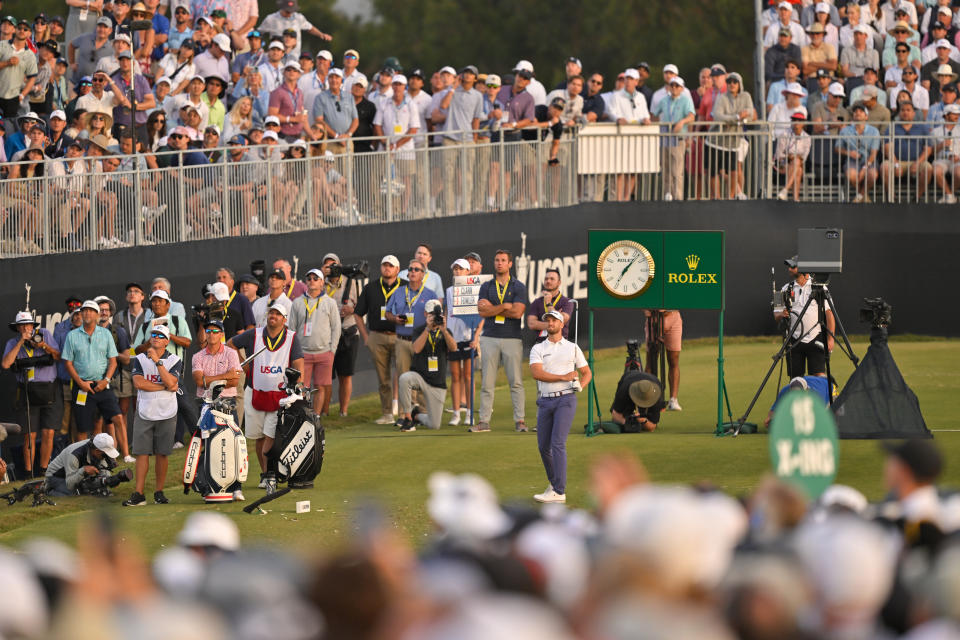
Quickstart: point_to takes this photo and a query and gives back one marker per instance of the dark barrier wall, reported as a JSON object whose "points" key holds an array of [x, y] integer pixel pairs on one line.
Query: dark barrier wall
{"points": [[897, 252]]}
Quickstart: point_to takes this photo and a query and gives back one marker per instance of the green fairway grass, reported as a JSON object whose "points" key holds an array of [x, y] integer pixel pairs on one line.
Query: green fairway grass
{"points": [[368, 461]]}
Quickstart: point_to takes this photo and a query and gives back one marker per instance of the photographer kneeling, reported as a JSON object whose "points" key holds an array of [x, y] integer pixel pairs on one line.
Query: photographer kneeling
{"points": [[84, 459], [638, 402], [428, 371]]}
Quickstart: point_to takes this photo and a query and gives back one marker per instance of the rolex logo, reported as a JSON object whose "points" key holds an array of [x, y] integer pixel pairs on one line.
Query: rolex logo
{"points": [[692, 261]]}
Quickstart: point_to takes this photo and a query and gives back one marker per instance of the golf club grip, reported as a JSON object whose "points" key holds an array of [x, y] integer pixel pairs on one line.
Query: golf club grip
{"points": [[273, 496]]}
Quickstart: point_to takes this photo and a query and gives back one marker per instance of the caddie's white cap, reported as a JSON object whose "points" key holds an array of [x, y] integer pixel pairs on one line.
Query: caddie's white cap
{"points": [[391, 260], [105, 443], [280, 305]]}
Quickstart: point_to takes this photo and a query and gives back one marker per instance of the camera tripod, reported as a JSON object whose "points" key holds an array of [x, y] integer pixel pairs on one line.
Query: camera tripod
{"points": [[821, 295]]}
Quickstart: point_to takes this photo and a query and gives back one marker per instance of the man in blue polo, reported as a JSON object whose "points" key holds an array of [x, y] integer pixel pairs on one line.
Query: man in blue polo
{"points": [[90, 357], [502, 302], [406, 310]]}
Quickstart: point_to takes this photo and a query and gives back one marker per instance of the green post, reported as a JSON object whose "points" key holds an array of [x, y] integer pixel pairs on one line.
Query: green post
{"points": [[590, 430], [720, 385]]}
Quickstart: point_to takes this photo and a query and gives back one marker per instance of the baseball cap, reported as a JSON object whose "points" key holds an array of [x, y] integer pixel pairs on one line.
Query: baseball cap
{"points": [[822, 7], [416, 73], [800, 113], [784, 31], [280, 305], [161, 329], [460, 262], [670, 68], [293, 64], [631, 73], [949, 87], [784, 5], [523, 73], [249, 278], [363, 82], [470, 69], [352, 52], [133, 285], [448, 69], [104, 20], [824, 73], [219, 291], [183, 131], [643, 65], [237, 139], [58, 114], [213, 322], [558, 103], [208, 529], [316, 272], [165, 79], [553, 313], [944, 10], [836, 89], [943, 43], [326, 55], [212, 127], [523, 65], [222, 40], [271, 135], [391, 260], [678, 80], [160, 293], [493, 80], [124, 54], [330, 256], [399, 78], [290, 32], [271, 120], [952, 108], [859, 106], [276, 44], [718, 70], [473, 255], [254, 34], [862, 28], [90, 304], [336, 72], [104, 442], [791, 261], [920, 456], [870, 91], [277, 273], [794, 88]]}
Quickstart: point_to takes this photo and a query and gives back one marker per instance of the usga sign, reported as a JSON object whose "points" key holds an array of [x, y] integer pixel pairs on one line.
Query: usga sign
{"points": [[803, 442]]}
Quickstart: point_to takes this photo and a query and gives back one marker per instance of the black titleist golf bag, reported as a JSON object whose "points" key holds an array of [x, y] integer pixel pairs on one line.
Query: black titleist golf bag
{"points": [[297, 452]]}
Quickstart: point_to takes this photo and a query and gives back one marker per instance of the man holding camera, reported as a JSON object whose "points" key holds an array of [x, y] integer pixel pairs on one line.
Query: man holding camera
{"points": [[156, 375], [406, 311], [315, 319], [806, 352], [80, 460], [561, 371], [638, 402], [428, 371], [90, 357], [33, 354], [276, 348], [343, 290]]}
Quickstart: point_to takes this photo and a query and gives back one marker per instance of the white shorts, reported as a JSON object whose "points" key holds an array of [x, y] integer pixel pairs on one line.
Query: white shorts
{"points": [[257, 424]]}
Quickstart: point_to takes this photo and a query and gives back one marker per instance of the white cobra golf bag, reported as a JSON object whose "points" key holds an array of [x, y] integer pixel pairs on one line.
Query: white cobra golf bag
{"points": [[297, 453], [217, 462]]}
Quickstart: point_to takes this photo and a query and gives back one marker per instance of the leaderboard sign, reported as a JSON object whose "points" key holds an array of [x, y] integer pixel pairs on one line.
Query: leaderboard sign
{"points": [[639, 269], [466, 293]]}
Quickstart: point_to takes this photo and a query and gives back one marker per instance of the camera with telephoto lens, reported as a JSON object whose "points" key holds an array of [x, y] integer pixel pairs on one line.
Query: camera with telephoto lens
{"points": [[100, 485], [633, 356], [358, 270], [37, 337], [877, 312]]}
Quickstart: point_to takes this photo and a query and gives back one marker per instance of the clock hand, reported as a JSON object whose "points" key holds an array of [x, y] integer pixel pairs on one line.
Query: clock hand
{"points": [[625, 269]]}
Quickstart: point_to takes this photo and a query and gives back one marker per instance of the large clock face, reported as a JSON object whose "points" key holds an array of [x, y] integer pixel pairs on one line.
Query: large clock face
{"points": [[625, 269]]}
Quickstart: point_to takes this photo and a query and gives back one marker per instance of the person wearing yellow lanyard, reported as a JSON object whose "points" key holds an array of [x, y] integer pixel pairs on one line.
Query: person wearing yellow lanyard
{"points": [[32, 374], [406, 311], [379, 334], [550, 298], [291, 288], [428, 372], [315, 318], [502, 301]]}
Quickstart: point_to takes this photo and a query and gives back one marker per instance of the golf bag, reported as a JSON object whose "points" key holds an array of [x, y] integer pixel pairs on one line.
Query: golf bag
{"points": [[300, 439], [217, 462]]}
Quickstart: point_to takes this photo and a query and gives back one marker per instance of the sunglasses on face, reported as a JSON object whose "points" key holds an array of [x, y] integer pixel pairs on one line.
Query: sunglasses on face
{"points": [[176, 136], [349, 57], [158, 335], [212, 330], [312, 277], [414, 269], [97, 118]]}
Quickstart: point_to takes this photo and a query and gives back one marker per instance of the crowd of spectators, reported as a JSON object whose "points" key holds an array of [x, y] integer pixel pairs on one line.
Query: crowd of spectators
{"points": [[648, 560], [875, 83]]}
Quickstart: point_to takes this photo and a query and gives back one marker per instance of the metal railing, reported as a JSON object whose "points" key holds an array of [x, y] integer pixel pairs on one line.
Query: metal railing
{"points": [[107, 202]]}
